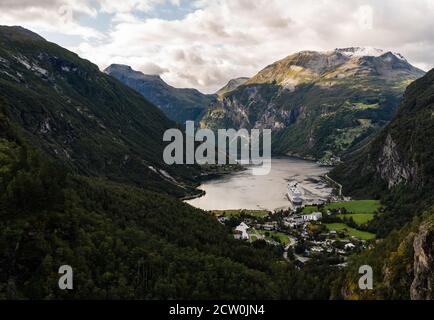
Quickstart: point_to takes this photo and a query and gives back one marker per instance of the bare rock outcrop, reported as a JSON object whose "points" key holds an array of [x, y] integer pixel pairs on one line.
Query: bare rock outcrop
{"points": [[422, 286], [393, 168]]}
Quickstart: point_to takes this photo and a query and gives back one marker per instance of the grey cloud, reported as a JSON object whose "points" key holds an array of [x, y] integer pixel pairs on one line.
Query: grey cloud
{"points": [[26, 4], [152, 68], [189, 56]]}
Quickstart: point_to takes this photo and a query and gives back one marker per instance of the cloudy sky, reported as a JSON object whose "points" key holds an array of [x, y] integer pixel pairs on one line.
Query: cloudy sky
{"points": [[204, 43]]}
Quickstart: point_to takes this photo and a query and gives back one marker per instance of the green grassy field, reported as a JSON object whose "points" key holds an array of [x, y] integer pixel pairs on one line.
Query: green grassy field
{"points": [[281, 236], [363, 235], [310, 209], [253, 238], [363, 106], [354, 206], [357, 206], [236, 213], [359, 218]]}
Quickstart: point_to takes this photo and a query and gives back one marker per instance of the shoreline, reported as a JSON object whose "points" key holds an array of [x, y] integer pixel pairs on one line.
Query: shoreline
{"points": [[319, 188], [194, 196], [333, 182]]}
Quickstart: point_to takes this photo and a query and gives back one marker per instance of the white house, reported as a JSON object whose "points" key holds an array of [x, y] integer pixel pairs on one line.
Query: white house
{"points": [[292, 222], [242, 228], [268, 227], [317, 249], [315, 216], [349, 246]]}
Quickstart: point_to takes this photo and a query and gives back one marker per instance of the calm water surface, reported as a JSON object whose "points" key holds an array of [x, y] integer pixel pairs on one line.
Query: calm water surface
{"points": [[242, 190]]}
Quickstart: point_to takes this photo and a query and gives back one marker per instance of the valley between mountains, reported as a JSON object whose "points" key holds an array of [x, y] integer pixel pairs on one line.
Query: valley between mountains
{"points": [[83, 181]]}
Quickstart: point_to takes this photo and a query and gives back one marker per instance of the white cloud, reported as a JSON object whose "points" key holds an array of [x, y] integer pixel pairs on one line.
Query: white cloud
{"points": [[365, 17], [222, 39], [126, 6], [60, 16]]}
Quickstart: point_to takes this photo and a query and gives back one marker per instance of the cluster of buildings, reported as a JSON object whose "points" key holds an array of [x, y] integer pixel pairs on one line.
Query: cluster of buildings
{"points": [[294, 221], [304, 243]]}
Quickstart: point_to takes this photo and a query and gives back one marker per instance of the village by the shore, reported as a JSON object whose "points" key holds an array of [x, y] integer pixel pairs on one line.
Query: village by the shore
{"points": [[330, 230]]}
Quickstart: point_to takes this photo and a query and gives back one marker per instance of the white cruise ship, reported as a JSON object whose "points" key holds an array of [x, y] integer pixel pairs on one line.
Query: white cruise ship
{"points": [[295, 194]]}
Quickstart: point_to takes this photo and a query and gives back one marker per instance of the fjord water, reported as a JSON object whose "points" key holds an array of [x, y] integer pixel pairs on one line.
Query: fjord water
{"points": [[243, 190]]}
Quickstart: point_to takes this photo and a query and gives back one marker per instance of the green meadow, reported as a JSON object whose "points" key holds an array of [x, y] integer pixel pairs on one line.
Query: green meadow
{"points": [[359, 218], [356, 206], [363, 235], [284, 239]]}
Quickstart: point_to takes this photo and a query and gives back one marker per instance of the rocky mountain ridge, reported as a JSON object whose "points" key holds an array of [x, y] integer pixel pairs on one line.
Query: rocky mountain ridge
{"points": [[318, 103], [231, 86], [179, 105]]}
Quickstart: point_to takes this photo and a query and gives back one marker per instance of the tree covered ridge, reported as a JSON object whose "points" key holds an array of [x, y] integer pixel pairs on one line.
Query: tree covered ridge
{"points": [[90, 121], [403, 259], [402, 153]]}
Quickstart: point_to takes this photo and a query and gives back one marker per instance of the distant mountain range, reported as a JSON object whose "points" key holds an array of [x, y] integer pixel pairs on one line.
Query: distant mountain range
{"points": [[318, 104], [179, 105]]}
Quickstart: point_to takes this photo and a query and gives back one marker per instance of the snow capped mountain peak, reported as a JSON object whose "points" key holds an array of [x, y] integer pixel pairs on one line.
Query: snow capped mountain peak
{"points": [[366, 52], [361, 52], [399, 56]]}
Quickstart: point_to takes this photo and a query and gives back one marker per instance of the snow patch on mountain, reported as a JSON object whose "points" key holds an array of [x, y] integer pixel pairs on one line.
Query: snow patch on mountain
{"points": [[30, 65], [366, 52], [23, 61]]}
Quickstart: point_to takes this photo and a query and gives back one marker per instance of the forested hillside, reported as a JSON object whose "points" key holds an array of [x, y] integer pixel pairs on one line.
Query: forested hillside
{"points": [[77, 188], [403, 265], [93, 123], [397, 165], [122, 242]]}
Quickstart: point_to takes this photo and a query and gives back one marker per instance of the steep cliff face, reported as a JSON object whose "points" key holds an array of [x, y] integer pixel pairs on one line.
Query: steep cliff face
{"points": [[393, 167], [401, 154], [397, 166], [422, 287], [318, 103]]}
